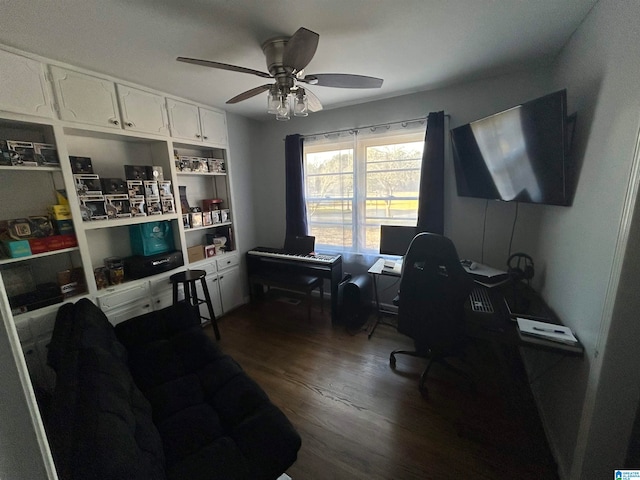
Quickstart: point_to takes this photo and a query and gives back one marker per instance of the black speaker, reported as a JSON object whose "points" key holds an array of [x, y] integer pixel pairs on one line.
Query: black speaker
{"points": [[354, 299], [520, 267]]}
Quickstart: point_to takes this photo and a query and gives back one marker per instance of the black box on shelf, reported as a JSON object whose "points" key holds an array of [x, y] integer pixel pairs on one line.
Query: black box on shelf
{"points": [[165, 188], [139, 266], [113, 186], [93, 208], [135, 172], [154, 207], [87, 184], [22, 153], [118, 205], [46, 154], [155, 172], [138, 206], [168, 205], [135, 188], [151, 189], [5, 157], [81, 164]]}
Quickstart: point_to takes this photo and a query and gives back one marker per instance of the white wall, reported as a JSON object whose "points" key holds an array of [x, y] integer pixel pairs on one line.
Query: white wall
{"points": [[601, 68], [241, 171]]}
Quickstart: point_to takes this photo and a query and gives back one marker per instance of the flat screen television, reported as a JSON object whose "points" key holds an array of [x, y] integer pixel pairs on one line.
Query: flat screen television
{"points": [[395, 239], [520, 154]]}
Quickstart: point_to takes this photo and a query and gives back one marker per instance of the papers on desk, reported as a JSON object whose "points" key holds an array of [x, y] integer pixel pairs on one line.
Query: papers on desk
{"points": [[546, 331], [486, 275]]}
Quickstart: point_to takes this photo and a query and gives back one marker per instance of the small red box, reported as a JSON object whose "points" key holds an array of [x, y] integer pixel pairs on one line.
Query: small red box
{"points": [[55, 242], [209, 250], [38, 245], [69, 240]]}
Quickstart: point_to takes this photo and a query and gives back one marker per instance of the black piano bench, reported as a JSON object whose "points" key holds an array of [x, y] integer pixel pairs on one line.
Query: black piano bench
{"points": [[293, 282]]}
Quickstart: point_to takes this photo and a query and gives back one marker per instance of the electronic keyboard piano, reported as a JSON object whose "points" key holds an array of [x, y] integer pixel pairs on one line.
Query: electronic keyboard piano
{"points": [[325, 266]]}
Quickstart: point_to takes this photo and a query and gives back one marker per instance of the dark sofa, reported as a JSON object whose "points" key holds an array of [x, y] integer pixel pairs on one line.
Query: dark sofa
{"points": [[155, 398]]}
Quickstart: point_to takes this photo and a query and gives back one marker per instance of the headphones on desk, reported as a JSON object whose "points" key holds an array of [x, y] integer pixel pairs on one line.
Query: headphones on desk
{"points": [[520, 267]]}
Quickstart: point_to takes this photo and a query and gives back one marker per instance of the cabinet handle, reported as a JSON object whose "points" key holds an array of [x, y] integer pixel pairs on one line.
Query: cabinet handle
{"points": [[197, 135], [205, 137], [221, 277], [115, 122], [129, 124]]}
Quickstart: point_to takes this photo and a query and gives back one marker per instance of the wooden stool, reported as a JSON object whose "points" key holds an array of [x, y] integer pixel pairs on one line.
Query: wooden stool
{"points": [[188, 280]]}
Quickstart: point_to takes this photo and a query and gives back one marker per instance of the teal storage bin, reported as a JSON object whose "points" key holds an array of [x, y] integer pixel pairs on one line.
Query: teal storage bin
{"points": [[151, 238]]}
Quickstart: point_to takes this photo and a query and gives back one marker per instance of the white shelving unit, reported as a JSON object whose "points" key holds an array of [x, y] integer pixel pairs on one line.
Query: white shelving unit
{"points": [[115, 123]]}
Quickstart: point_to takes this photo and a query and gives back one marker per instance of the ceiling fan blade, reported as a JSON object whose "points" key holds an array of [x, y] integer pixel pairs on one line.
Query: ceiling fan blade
{"points": [[249, 93], [313, 102], [300, 49], [223, 66], [342, 80]]}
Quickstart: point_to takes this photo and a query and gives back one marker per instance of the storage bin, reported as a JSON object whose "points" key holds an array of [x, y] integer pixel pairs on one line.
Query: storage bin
{"points": [[151, 238]]}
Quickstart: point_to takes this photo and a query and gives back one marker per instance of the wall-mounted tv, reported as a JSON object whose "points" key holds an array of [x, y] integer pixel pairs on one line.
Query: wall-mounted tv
{"points": [[520, 154]]}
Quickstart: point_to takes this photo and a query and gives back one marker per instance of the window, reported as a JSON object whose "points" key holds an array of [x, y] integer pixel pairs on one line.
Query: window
{"points": [[356, 182]]}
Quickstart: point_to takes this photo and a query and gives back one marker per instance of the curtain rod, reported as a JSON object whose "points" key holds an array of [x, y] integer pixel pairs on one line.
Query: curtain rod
{"points": [[355, 129]]}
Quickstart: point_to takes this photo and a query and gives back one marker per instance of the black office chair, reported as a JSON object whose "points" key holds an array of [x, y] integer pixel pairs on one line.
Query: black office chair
{"points": [[433, 290]]}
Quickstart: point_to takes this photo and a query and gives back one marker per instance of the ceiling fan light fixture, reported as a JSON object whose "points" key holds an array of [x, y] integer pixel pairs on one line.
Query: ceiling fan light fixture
{"points": [[301, 104], [273, 100], [283, 109]]}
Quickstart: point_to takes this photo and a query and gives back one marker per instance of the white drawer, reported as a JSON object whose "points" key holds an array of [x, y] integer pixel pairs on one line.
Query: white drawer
{"points": [[227, 262], [121, 298], [118, 315], [159, 285]]}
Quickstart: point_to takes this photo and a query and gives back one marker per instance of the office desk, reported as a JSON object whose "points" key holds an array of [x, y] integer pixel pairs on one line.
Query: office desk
{"points": [[378, 270], [498, 326]]}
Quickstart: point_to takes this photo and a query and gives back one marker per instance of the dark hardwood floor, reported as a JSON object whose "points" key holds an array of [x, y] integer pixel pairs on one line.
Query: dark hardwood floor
{"points": [[359, 419]]}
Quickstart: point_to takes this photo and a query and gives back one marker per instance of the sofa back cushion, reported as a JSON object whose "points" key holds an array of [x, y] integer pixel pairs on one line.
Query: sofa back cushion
{"points": [[100, 425]]}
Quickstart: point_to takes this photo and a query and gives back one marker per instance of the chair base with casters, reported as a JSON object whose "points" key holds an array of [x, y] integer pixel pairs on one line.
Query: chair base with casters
{"points": [[188, 281], [431, 360], [286, 281]]}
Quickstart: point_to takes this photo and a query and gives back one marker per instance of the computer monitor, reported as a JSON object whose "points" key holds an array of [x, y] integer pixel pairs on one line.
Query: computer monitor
{"points": [[395, 239]]}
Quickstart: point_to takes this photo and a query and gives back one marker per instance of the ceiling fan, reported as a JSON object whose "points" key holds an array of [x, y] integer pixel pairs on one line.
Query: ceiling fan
{"points": [[287, 57]]}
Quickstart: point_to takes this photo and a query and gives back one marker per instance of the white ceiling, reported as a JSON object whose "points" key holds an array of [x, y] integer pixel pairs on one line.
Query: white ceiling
{"points": [[413, 45]]}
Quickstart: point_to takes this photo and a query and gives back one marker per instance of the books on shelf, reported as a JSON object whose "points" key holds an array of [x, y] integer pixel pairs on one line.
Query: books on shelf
{"points": [[546, 331]]}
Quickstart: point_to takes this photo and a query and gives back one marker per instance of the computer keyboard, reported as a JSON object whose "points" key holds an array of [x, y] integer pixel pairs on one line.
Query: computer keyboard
{"points": [[480, 301]]}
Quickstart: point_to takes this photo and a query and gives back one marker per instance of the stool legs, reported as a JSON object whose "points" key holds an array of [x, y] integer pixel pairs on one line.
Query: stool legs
{"points": [[207, 299]]}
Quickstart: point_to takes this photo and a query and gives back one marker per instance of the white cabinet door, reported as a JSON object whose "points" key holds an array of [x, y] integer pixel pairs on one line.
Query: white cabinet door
{"points": [[142, 111], [86, 99], [213, 126], [184, 120], [23, 86], [214, 292], [230, 288]]}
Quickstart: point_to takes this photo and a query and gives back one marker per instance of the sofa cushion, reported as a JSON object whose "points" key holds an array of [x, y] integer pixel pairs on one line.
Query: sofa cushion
{"points": [[215, 422], [115, 437], [100, 425]]}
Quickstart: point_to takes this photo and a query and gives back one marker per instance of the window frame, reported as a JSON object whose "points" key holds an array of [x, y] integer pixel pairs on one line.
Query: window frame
{"points": [[359, 221]]}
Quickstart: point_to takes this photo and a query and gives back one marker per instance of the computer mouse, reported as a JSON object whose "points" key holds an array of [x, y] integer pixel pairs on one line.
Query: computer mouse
{"points": [[473, 266]]}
